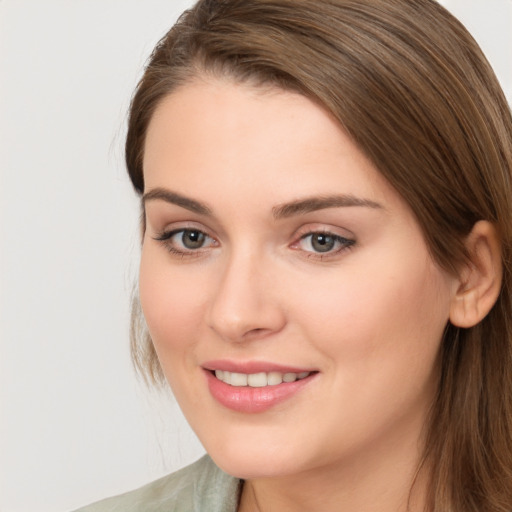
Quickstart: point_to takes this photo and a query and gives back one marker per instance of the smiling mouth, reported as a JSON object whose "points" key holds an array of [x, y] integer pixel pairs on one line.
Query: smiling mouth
{"points": [[258, 380], [255, 390]]}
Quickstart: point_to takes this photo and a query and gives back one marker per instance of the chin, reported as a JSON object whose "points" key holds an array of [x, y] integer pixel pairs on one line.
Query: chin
{"points": [[248, 468], [255, 459]]}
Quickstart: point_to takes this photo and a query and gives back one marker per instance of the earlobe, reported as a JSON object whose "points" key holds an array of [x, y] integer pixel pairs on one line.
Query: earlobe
{"points": [[480, 281]]}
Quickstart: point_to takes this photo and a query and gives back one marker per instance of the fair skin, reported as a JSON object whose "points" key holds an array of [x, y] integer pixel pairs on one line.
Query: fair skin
{"points": [[341, 287]]}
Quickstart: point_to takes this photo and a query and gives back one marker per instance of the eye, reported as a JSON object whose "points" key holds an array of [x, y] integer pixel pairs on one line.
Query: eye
{"points": [[191, 239], [183, 241], [324, 243]]}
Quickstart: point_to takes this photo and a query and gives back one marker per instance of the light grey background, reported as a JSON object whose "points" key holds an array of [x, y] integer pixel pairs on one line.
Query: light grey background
{"points": [[75, 425]]}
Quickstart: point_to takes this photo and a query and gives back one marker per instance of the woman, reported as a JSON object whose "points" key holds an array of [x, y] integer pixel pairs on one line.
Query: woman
{"points": [[325, 272]]}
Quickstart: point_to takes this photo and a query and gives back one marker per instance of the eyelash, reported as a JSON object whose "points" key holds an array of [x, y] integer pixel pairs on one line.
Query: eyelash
{"points": [[165, 238], [343, 244]]}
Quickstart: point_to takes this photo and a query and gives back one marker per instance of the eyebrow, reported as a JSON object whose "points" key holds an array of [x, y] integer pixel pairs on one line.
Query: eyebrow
{"points": [[312, 204], [282, 211], [177, 199]]}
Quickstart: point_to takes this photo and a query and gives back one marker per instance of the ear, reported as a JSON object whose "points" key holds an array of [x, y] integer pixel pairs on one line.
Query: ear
{"points": [[480, 280]]}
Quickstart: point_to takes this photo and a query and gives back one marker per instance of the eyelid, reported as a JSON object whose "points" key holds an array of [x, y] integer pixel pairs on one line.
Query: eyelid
{"points": [[326, 229], [161, 229]]}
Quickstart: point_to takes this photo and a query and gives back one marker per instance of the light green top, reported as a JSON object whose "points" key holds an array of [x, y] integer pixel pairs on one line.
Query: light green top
{"points": [[200, 487]]}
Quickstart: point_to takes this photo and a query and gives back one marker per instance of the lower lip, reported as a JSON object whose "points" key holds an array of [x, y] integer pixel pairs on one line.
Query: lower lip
{"points": [[253, 400]]}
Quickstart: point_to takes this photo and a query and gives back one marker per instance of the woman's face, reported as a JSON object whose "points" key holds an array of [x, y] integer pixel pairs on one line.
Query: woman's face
{"points": [[276, 254]]}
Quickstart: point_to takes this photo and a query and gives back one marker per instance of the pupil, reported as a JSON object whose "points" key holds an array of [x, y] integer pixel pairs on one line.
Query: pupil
{"points": [[322, 243], [193, 239]]}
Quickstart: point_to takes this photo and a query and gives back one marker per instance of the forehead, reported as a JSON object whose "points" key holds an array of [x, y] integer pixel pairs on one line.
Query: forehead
{"points": [[218, 133], [237, 113]]}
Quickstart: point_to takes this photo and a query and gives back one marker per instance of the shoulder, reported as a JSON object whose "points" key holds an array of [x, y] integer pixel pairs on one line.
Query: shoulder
{"points": [[195, 488]]}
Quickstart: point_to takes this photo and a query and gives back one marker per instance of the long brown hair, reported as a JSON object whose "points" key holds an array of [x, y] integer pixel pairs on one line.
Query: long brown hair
{"points": [[414, 91]]}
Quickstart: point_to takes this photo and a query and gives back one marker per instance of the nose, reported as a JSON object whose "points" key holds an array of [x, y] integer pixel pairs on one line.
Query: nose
{"points": [[245, 304]]}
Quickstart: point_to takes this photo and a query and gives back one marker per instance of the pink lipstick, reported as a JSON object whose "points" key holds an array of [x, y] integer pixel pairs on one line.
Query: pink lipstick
{"points": [[253, 387]]}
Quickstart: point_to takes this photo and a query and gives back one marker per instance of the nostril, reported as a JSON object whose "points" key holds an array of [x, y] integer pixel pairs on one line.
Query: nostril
{"points": [[259, 332]]}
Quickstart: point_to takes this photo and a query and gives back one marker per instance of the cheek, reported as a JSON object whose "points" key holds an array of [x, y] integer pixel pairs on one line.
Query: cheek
{"points": [[379, 316], [170, 302], [380, 334]]}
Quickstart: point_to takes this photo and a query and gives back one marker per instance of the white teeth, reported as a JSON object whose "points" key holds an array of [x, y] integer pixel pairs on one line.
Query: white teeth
{"points": [[239, 379], [258, 380], [274, 378]]}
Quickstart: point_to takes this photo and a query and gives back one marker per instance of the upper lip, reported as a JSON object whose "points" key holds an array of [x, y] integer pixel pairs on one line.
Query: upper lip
{"points": [[250, 367]]}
